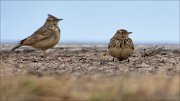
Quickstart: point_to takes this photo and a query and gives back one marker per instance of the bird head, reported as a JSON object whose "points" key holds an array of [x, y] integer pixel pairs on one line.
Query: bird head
{"points": [[52, 20], [122, 33]]}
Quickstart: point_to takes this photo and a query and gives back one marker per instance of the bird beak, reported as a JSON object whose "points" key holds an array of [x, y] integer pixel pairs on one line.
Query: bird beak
{"points": [[129, 32], [60, 19]]}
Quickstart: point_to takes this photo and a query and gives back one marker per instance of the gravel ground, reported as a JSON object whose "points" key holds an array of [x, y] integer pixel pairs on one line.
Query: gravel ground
{"points": [[87, 73], [89, 60]]}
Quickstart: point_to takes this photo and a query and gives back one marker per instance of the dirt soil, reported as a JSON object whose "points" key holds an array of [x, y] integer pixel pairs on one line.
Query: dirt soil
{"points": [[92, 61], [87, 59]]}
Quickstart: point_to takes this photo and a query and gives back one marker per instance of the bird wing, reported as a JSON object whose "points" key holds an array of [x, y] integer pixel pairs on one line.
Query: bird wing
{"points": [[121, 43], [113, 43], [131, 43], [39, 35]]}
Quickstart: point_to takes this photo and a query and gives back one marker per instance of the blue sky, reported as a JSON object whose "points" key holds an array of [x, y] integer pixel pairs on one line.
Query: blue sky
{"points": [[93, 21]]}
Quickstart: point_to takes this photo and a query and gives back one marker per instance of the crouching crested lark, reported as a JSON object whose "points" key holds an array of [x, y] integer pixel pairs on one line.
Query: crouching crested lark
{"points": [[45, 37], [120, 45]]}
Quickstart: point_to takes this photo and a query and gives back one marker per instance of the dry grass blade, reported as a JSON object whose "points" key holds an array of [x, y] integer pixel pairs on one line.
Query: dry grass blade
{"points": [[152, 51], [132, 87]]}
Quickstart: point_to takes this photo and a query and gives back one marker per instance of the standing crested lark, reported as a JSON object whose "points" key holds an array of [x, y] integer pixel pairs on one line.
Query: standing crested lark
{"points": [[45, 37], [120, 45]]}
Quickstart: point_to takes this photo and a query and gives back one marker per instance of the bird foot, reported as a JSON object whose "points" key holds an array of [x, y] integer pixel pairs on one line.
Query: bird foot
{"points": [[113, 60], [127, 60]]}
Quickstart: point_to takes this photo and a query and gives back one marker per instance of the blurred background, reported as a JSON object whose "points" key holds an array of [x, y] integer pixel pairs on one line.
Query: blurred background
{"points": [[93, 21]]}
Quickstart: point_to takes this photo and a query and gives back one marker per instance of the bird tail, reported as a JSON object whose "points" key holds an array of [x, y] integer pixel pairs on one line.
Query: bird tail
{"points": [[16, 47], [20, 44]]}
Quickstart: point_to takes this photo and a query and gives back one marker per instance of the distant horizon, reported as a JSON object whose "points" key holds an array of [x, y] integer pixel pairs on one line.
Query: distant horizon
{"points": [[100, 42]]}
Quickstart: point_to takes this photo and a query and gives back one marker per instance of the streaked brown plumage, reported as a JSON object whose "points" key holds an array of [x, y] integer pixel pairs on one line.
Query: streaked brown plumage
{"points": [[45, 37], [120, 45]]}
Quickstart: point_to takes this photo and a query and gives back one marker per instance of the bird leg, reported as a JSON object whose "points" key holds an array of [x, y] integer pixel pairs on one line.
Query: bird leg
{"points": [[45, 54], [128, 60], [113, 59]]}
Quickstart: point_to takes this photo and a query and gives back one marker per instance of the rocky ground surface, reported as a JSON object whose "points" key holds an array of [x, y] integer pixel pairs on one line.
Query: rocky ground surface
{"points": [[89, 59], [92, 61]]}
